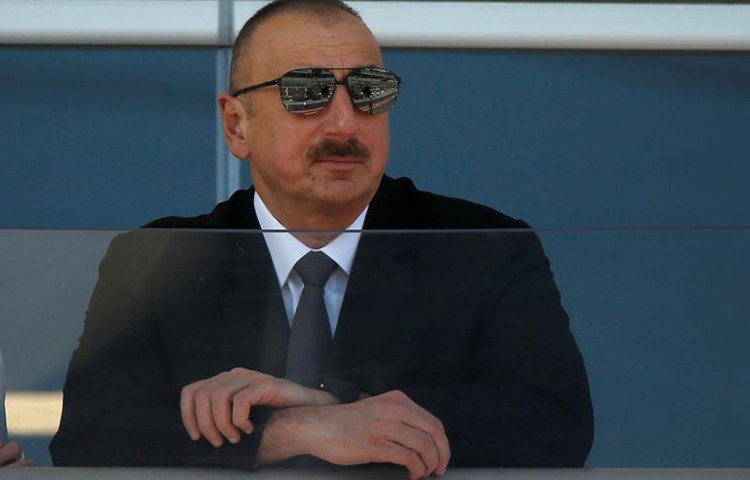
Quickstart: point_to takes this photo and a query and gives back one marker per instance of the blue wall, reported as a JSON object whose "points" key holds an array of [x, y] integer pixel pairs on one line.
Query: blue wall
{"points": [[580, 139], [105, 138], [111, 138]]}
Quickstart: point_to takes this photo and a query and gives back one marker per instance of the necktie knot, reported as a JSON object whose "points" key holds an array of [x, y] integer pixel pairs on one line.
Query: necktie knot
{"points": [[315, 268]]}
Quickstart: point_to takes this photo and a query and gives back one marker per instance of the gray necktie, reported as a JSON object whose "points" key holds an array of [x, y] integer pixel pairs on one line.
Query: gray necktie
{"points": [[310, 337]]}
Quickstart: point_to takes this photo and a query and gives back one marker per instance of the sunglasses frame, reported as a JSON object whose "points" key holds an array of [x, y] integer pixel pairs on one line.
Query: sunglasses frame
{"points": [[334, 84]]}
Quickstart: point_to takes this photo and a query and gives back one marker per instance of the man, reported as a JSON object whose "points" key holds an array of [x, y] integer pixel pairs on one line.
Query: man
{"points": [[187, 354]]}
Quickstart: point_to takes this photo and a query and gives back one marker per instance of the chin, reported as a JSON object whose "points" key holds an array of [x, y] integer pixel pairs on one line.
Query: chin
{"points": [[343, 194]]}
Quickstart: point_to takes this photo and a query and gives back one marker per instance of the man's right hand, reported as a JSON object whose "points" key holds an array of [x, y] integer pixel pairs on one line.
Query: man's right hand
{"points": [[387, 428], [219, 407]]}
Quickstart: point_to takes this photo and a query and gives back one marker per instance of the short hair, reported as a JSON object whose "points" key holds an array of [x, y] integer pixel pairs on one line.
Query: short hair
{"points": [[275, 7]]}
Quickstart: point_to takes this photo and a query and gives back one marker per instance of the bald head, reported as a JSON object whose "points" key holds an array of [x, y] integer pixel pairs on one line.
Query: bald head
{"points": [[328, 12]]}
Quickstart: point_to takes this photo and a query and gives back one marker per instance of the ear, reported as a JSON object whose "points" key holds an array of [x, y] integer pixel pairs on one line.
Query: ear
{"points": [[234, 124]]}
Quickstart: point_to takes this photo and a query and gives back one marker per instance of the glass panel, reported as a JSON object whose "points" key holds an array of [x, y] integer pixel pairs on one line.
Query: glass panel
{"points": [[466, 323]]}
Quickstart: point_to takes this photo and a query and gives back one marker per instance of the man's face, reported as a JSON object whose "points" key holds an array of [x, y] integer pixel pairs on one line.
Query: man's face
{"points": [[297, 163]]}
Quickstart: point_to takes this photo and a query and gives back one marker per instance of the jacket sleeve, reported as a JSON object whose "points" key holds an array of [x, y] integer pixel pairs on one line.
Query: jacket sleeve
{"points": [[121, 405], [523, 399]]}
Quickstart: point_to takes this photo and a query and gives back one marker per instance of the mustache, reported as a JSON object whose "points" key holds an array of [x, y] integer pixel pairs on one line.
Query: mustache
{"points": [[333, 148]]}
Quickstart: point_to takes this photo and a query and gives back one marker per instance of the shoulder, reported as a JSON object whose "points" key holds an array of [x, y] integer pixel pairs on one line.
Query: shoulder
{"points": [[400, 204], [235, 212]]}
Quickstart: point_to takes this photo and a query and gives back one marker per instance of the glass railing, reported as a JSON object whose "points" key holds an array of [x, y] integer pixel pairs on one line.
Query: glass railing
{"points": [[471, 325]]}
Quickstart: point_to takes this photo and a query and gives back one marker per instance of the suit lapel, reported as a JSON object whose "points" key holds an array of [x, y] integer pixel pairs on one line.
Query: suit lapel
{"points": [[253, 302], [252, 298], [382, 276]]}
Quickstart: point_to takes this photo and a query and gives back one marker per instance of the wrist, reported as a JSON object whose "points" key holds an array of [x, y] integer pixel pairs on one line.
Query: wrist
{"points": [[280, 437], [323, 397], [291, 432], [344, 392]]}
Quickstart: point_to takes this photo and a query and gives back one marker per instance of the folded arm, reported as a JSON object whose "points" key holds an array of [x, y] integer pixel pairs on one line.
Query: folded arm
{"points": [[387, 428], [522, 398]]}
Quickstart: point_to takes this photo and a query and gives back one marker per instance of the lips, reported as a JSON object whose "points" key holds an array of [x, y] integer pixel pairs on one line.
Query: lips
{"points": [[338, 162], [339, 159]]}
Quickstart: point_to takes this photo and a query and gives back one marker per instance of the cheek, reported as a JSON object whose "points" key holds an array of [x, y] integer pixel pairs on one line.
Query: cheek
{"points": [[380, 138], [282, 145], [290, 154]]}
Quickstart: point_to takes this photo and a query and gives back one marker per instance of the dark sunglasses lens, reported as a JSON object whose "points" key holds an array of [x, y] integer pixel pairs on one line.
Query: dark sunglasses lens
{"points": [[373, 90], [306, 90]]}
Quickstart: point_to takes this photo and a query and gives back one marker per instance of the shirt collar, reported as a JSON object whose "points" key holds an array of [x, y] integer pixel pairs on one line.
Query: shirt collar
{"points": [[286, 250]]}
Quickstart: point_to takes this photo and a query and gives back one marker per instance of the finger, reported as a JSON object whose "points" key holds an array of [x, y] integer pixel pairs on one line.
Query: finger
{"points": [[244, 400], [421, 443], [224, 388], [9, 453], [419, 418], [27, 462], [221, 407], [397, 454], [205, 418], [445, 455], [435, 429], [187, 410]]}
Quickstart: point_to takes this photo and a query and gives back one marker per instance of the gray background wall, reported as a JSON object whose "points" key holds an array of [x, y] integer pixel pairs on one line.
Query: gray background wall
{"points": [[109, 138]]}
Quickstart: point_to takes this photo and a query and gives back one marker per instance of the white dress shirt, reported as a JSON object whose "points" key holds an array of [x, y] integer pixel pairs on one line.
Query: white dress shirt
{"points": [[286, 250]]}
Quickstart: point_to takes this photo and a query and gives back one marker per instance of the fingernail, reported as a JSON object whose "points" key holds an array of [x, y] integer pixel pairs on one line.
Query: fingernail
{"points": [[234, 440]]}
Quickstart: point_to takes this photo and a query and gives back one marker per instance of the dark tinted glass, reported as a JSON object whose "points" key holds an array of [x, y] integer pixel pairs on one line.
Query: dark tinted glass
{"points": [[308, 90]]}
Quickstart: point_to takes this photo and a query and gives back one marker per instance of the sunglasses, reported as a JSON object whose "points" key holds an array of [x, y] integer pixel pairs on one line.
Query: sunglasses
{"points": [[308, 90]]}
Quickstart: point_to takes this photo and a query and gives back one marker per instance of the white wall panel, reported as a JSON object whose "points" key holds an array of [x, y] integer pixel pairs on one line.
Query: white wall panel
{"points": [[396, 24], [109, 22]]}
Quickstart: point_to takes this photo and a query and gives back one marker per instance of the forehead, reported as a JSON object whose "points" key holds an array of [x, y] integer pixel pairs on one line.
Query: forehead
{"points": [[307, 39]]}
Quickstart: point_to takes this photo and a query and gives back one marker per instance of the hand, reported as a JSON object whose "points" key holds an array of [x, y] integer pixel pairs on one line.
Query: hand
{"points": [[11, 455], [387, 428], [219, 407]]}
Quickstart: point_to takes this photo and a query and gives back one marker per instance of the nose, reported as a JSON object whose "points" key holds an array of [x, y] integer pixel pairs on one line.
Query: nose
{"points": [[341, 114]]}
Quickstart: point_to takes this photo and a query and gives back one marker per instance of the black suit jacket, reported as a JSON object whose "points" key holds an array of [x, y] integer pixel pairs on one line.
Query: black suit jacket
{"points": [[469, 326]]}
